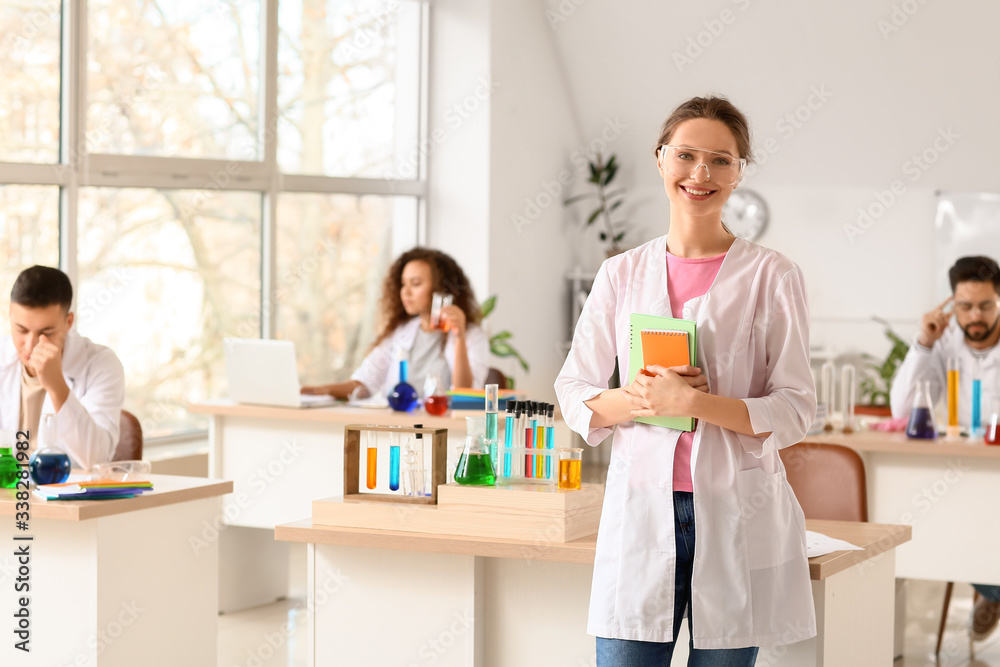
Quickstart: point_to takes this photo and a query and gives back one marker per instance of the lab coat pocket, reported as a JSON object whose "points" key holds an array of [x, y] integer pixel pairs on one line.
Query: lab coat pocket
{"points": [[772, 532]]}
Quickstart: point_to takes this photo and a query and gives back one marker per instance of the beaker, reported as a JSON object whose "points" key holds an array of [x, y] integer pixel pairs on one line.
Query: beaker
{"points": [[49, 464], [440, 301], [9, 470], [993, 429], [474, 464], [922, 425], [570, 463], [954, 365]]}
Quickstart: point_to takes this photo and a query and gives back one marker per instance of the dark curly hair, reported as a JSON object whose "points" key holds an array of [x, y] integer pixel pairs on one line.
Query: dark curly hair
{"points": [[446, 276]]}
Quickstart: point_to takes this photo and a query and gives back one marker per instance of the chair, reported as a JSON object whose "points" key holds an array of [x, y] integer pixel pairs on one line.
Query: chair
{"points": [[130, 440], [495, 376], [828, 481]]}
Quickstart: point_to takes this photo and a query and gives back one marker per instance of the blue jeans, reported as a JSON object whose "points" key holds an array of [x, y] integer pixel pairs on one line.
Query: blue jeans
{"points": [[991, 593], [632, 653]]}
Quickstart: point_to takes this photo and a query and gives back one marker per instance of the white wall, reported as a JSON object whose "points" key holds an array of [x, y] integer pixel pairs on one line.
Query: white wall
{"points": [[872, 86]]}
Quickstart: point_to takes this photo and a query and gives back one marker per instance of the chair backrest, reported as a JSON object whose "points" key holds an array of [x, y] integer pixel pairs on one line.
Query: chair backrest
{"points": [[130, 441], [496, 376], [828, 480]]}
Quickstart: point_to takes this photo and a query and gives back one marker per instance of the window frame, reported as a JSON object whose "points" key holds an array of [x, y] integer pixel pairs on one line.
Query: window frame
{"points": [[78, 169]]}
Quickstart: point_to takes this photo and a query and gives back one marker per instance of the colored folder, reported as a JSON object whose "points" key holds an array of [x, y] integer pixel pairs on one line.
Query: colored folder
{"points": [[660, 341]]}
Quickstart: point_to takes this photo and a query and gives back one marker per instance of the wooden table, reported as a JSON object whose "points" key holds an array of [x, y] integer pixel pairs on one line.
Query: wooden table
{"points": [[280, 460], [116, 582], [946, 490], [449, 600]]}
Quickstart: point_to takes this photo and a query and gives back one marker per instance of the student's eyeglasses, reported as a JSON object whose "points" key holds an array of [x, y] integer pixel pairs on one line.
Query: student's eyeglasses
{"points": [[984, 307], [683, 161]]}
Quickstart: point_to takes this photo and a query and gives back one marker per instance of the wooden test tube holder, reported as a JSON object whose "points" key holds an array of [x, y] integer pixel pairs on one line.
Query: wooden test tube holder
{"points": [[352, 462]]}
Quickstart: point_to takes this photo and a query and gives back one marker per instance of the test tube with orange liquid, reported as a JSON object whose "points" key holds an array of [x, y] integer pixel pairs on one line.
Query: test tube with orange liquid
{"points": [[371, 479], [954, 365]]}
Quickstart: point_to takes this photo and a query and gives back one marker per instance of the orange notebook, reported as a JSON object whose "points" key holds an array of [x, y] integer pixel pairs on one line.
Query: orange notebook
{"points": [[664, 347]]}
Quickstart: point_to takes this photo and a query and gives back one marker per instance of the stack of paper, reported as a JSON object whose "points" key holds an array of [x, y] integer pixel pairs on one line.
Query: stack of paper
{"points": [[101, 489], [475, 399]]}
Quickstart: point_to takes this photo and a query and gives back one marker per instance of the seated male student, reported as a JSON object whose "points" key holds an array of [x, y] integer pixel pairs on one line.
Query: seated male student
{"points": [[972, 338], [46, 367]]}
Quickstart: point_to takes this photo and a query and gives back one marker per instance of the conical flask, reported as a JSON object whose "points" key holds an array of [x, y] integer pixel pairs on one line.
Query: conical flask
{"points": [[922, 415], [474, 465], [49, 464], [403, 397]]}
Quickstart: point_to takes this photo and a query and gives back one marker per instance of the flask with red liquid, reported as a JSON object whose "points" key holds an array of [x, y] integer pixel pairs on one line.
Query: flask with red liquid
{"points": [[435, 398]]}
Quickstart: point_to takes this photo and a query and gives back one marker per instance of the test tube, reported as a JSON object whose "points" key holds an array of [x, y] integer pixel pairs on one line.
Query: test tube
{"points": [[372, 476], [953, 430], [847, 390], [393, 462], [492, 406], [529, 439], [540, 440], [508, 436], [550, 439], [518, 470], [828, 377], [976, 420]]}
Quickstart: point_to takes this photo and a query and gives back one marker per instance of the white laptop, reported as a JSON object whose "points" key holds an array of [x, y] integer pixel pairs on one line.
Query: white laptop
{"points": [[263, 372]]}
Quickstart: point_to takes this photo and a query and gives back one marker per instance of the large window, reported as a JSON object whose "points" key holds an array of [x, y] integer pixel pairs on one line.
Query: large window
{"points": [[204, 170]]}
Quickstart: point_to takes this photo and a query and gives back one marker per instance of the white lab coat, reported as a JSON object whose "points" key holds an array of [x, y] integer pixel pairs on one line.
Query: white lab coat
{"points": [[379, 372], [89, 421], [750, 585], [931, 364]]}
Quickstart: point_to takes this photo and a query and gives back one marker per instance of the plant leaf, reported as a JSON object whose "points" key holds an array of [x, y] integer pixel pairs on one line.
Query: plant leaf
{"points": [[610, 173], [619, 237], [594, 173], [616, 204], [604, 237], [488, 306], [593, 216], [503, 335], [577, 198]]}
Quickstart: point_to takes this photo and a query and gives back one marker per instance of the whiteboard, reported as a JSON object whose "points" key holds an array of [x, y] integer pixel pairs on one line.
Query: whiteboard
{"points": [[967, 223]]}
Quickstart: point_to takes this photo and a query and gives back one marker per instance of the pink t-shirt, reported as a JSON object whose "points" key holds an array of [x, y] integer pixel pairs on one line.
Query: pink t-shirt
{"points": [[687, 279]]}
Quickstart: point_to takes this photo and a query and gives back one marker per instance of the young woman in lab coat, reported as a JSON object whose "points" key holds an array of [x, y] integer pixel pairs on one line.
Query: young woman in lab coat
{"points": [[744, 583], [459, 356]]}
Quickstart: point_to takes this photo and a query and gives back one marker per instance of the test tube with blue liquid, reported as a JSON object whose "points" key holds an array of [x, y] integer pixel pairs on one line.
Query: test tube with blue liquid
{"points": [[492, 407], [540, 440], [394, 462], [550, 438], [976, 422]]}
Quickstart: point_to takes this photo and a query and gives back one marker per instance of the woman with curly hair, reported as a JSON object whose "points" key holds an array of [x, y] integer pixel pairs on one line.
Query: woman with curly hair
{"points": [[460, 353]]}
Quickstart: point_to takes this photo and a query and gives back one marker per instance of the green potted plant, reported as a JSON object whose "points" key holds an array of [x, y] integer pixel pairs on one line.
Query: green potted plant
{"points": [[608, 201], [500, 345], [876, 387]]}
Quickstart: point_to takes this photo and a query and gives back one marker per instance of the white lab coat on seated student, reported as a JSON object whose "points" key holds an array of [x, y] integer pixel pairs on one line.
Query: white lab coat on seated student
{"points": [[89, 421], [379, 372], [750, 585], [931, 364]]}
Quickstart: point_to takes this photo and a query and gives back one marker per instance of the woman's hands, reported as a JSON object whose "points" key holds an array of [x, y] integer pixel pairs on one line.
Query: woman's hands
{"points": [[453, 318], [667, 392]]}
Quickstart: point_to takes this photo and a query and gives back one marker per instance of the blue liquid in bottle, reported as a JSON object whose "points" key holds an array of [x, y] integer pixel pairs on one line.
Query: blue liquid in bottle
{"points": [[976, 423], [49, 467], [394, 468], [508, 442], [921, 424], [403, 397]]}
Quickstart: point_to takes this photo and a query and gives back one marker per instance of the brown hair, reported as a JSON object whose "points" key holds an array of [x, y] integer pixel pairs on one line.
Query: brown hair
{"points": [[446, 276], [712, 108]]}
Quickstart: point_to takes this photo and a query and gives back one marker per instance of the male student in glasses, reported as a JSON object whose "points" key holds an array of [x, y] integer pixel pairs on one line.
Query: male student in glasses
{"points": [[48, 368], [965, 327]]}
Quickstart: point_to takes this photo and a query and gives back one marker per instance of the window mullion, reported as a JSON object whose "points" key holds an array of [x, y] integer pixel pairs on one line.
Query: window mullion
{"points": [[269, 141]]}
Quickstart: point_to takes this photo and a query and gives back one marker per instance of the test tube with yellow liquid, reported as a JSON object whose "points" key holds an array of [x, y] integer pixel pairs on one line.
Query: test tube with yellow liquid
{"points": [[372, 459], [570, 464], [954, 366]]}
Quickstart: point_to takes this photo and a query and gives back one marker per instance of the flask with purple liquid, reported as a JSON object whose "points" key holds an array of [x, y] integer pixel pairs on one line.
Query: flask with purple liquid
{"points": [[922, 425]]}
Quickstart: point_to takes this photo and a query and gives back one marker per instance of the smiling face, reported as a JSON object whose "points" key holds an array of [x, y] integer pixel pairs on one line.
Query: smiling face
{"points": [[976, 310], [416, 288], [698, 193]]}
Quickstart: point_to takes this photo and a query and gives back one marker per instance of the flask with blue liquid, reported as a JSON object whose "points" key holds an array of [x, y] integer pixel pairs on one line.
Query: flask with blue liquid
{"points": [[922, 425], [49, 464], [403, 397]]}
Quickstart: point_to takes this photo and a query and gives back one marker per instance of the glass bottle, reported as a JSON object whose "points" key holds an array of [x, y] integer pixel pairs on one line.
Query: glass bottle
{"points": [[49, 464], [403, 397], [474, 465], [435, 395], [9, 470], [922, 423]]}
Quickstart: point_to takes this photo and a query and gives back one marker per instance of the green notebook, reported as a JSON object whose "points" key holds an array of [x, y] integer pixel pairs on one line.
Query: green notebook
{"points": [[638, 323]]}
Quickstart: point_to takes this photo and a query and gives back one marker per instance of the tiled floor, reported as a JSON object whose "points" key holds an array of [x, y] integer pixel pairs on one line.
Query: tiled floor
{"points": [[275, 635]]}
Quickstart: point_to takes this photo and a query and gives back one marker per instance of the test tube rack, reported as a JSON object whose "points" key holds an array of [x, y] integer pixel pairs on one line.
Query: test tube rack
{"points": [[435, 438]]}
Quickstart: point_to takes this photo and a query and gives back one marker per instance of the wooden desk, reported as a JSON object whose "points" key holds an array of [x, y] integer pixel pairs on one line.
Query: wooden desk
{"points": [[946, 490], [116, 582], [474, 601], [280, 460]]}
